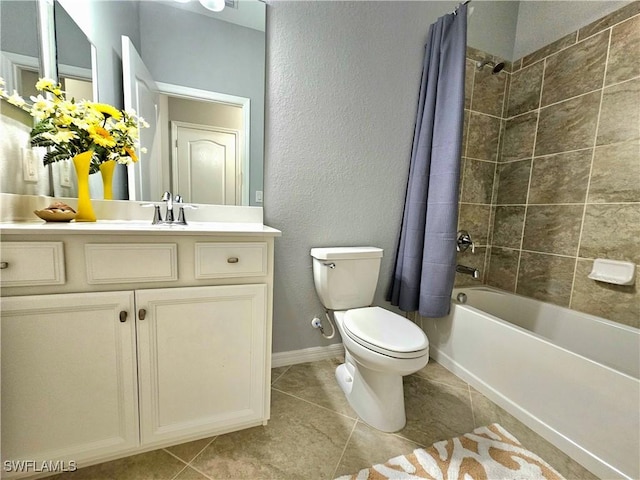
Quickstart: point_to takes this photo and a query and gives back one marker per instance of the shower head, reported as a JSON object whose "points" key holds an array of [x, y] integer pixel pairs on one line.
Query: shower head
{"points": [[496, 67]]}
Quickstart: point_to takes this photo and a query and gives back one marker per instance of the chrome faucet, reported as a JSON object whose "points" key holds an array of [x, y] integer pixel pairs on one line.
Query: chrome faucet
{"points": [[167, 197], [475, 274], [169, 217]]}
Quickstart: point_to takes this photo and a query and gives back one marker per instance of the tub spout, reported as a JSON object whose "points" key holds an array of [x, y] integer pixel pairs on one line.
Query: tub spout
{"points": [[475, 274]]}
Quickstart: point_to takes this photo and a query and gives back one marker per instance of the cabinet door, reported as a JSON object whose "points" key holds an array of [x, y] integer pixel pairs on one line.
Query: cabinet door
{"points": [[68, 376], [201, 360]]}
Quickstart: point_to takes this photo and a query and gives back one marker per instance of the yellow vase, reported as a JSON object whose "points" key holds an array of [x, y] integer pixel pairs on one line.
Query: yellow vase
{"points": [[82, 162], [106, 169]]}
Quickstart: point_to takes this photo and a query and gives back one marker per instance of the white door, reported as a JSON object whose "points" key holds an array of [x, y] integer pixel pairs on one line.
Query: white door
{"points": [[141, 95], [69, 380], [201, 355], [206, 164]]}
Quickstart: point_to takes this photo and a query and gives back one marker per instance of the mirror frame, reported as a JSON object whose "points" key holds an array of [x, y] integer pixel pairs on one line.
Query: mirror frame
{"points": [[47, 39]]}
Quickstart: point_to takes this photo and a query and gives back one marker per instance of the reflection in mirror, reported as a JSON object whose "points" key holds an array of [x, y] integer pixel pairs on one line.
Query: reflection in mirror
{"points": [[19, 52], [187, 49], [75, 58], [21, 169], [211, 106]]}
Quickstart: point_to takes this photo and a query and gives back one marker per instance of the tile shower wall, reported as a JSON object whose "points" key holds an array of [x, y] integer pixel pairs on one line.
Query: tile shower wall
{"points": [[484, 100], [566, 188]]}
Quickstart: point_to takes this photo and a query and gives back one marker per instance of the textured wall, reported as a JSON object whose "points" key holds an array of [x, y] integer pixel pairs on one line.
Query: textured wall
{"points": [[568, 179], [342, 88]]}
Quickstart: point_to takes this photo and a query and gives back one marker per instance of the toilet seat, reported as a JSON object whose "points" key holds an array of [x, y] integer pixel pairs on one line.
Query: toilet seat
{"points": [[385, 332]]}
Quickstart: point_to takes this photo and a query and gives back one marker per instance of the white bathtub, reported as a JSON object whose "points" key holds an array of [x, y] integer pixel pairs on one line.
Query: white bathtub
{"points": [[571, 377]]}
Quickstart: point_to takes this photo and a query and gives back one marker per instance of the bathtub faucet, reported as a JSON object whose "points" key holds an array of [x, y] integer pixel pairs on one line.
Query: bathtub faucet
{"points": [[475, 274]]}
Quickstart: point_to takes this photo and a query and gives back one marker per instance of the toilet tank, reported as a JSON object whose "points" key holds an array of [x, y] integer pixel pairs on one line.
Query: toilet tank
{"points": [[346, 277]]}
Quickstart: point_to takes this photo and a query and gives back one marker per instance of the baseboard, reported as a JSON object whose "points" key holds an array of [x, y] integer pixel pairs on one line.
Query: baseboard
{"points": [[313, 354]]}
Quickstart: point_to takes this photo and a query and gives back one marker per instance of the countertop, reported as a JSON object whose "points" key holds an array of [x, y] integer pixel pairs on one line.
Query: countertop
{"points": [[136, 227]]}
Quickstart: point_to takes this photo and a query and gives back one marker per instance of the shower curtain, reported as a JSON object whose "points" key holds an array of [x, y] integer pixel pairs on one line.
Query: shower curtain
{"points": [[426, 258]]}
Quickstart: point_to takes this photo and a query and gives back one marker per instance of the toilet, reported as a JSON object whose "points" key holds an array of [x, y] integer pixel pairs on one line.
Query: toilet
{"points": [[380, 346]]}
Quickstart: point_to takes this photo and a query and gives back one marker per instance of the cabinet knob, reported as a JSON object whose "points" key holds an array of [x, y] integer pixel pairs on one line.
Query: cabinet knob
{"points": [[123, 316], [232, 260], [4, 265], [142, 314]]}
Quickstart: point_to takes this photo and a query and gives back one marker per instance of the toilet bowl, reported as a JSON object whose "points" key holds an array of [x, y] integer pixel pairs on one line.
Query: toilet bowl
{"points": [[380, 346], [371, 377]]}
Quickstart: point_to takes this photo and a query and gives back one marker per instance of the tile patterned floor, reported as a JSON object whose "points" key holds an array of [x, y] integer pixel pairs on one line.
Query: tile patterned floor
{"points": [[314, 434]]}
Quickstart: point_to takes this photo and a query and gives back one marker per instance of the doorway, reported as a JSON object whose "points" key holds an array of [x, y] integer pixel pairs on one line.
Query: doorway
{"points": [[206, 165]]}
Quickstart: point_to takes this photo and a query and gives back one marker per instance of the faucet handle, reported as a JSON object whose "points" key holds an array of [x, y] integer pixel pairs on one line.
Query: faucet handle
{"points": [[182, 219], [464, 241], [157, 216]]}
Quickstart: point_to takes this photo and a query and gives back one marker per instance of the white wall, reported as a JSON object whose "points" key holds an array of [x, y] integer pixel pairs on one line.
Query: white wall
{"points": [[543, 22], [342, 89]]}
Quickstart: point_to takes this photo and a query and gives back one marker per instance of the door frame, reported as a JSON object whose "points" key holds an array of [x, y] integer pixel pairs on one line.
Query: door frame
{"points": [[240, 176], [244, 146]]}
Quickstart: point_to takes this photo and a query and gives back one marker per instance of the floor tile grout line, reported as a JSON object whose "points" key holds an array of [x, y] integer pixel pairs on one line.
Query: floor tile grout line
{"points": [[473, 413], [281, 375], [179, 472], [441, 382], [353, 429], [198, 454], [188, 464], [314, 404]]}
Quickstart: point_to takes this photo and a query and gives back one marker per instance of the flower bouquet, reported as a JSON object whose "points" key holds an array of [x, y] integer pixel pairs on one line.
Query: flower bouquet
{"points": [[94, 135], [69, 127]]}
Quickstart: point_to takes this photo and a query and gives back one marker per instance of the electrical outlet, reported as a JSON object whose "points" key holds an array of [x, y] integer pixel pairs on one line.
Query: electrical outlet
{"points": [[65, 169], [29, 165], [258, 196]]}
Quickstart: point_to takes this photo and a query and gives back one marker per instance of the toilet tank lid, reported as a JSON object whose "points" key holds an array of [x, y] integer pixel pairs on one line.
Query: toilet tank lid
{"points": [[341, 253]]}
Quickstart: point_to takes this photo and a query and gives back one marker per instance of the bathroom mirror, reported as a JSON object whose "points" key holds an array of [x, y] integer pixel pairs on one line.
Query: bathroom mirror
{"points": [[20, 63], [187, 49], [74, 54], [208, 69]]}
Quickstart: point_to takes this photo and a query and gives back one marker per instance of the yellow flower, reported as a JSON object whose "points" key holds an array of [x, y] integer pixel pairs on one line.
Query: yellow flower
{"points": [[45, 84], [66, 107], [131, 153], [62, 136], [101, 136], [64, 121], [107, 110]]}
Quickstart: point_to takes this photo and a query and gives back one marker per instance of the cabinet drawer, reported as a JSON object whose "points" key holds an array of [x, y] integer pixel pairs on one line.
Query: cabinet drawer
{"points": [[131, 262], [223, 260], [32, 263]]}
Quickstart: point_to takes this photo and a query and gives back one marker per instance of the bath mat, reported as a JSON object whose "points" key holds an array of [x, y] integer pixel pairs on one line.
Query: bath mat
{"points": [[488, 453]]}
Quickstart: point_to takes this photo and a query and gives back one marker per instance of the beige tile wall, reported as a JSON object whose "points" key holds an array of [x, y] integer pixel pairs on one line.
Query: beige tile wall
{"points": [[566, 188], [484, 102]]}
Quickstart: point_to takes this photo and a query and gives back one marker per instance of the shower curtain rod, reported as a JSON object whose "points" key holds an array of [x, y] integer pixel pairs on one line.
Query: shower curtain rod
{"points": [[455, 10]]}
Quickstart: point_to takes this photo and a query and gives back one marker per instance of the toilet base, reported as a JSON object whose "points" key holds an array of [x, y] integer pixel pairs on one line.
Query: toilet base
{"points": [[377, 397]]}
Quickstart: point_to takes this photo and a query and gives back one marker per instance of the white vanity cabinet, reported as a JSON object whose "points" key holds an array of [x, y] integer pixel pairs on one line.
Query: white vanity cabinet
{"points": [[69, 381], [201, 359], [124, 357]]}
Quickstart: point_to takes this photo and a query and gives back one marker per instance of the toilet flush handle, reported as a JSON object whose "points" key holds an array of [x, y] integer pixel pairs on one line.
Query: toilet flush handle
{"points": [[330, 264]]}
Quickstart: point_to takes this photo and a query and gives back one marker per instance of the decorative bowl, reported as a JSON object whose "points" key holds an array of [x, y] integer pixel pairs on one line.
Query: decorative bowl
{"points": [[55, 215]]}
